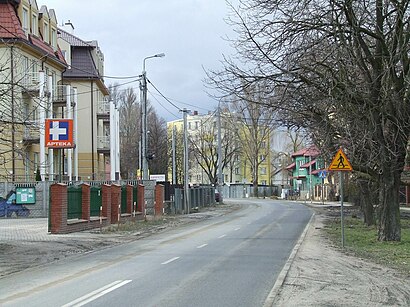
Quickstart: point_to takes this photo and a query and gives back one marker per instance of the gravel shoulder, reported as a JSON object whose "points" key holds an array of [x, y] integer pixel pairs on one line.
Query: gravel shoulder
{"points": [[323, 275]]}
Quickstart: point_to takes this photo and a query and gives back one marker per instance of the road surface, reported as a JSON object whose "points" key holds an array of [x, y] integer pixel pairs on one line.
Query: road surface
{"points": [[232, 260]]}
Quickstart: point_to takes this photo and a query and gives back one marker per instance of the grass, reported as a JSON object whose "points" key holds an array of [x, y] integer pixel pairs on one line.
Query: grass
{"points": [[362, 241]]}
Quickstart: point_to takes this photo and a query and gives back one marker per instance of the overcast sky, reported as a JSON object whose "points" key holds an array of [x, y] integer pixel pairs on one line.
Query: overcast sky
{"points": [[190, 32]]}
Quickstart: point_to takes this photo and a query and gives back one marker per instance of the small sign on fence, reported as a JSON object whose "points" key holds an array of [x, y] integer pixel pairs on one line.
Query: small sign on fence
{"points": [[25, 196]]}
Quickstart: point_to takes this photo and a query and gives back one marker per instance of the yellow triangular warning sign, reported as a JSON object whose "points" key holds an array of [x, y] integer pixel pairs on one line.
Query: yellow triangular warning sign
{"points": [[340, 162]]}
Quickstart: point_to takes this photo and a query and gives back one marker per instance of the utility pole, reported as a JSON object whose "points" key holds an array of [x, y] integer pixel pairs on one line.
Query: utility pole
{"points": [[143, 88], [144, 125], [13, 140], [186, 176], [174, 177], [220, 176]]}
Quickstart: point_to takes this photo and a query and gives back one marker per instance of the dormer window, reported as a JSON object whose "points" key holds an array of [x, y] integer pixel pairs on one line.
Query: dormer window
{"points": [[46, 33], [34, 25], [53, 38], [25, 20]]}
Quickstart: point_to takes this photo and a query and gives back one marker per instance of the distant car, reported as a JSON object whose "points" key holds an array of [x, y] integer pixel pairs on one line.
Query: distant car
{"points": [[9, 205], [217, 196]]}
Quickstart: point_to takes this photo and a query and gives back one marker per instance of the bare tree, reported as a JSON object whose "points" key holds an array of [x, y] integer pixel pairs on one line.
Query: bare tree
{"points": [[130, 131], [340, 69], [157, 144], [204, 147], [252, 122]]}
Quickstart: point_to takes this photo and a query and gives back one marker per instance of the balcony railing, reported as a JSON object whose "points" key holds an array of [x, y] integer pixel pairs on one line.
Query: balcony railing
{"points": [[31, 81], [31, 133], [103, 143], [60, 94], [103, 107]]}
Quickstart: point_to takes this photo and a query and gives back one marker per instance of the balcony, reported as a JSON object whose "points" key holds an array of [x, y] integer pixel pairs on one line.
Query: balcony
{"points": [[31, 134], [103, 109], [60, 96], [30, 84], [103, 144]]}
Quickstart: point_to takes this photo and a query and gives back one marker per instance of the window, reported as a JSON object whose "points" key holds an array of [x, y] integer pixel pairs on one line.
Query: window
{"points": [[189, 125], [25, 21], [262, 158], [34, 25], [263, 182], [35, 161], [46, 33], [196, 125], [262, 171], [263, 145], [236, 170], [53, 38]]}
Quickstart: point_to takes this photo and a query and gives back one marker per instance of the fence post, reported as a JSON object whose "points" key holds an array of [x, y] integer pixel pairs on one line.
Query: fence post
{"points": [[129, 198], [141, 199], [115, 203], [106, 202], [86, 199], [159, 199], [58, 208]]}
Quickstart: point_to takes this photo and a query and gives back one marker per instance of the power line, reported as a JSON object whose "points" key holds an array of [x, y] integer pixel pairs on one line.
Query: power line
{"points": [[169, 101]]}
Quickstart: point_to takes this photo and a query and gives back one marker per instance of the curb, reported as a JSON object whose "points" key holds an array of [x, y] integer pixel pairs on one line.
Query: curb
{"points": [[285, 270]]}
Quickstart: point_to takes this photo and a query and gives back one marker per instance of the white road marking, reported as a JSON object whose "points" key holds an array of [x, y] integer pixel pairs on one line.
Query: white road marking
{"points": [[237, 228], [220, 237], [81, 301], [170, 260], [203, 245]]}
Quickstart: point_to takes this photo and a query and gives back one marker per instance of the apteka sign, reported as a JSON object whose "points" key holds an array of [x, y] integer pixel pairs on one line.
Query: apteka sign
{"points": [[59, 133]]}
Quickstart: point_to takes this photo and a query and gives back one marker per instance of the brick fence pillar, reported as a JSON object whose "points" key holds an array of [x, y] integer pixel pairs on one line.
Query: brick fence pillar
{"points": [[129, 198], [106, 202], [58, 208], [141, 199], [115, 202], [159, 199], [86, 199]]}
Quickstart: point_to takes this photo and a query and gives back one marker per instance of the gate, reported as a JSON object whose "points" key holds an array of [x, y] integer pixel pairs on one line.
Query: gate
{"points": [[123, 199], [74, 210], [95, 200]]}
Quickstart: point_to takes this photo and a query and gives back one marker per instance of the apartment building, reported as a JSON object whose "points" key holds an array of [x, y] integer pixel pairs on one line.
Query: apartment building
{"points": [[98, 143], [202, 128], [48, 73], [31, 68]]}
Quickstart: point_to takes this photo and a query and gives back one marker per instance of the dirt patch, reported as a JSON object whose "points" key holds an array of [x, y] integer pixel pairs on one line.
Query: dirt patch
{"points": [[323, 275]]}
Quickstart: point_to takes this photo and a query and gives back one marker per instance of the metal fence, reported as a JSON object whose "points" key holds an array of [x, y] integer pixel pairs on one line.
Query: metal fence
{"points": [[198, 197], [42, 194]]}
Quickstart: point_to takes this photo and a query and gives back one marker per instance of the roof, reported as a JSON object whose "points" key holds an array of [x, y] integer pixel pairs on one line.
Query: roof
{"points": [[308, 164], [9, 22], [291, 166], [73, 40], [10, 28], [82, 64], [311, 151]]}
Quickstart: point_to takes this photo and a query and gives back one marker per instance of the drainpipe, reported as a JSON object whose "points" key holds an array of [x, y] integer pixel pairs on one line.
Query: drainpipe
{"points": [[92, 132]]}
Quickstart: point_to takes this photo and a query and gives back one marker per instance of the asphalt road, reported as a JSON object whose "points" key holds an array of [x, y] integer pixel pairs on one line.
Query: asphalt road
{"points": [[232, 260]]}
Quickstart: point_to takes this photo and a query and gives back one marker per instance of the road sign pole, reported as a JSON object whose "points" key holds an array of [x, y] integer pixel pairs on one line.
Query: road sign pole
{"points": [[341, 208]]}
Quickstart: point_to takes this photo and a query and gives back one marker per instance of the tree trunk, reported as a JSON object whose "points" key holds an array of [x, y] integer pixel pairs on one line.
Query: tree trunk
{"points": [[389, 228], [368, 198]]}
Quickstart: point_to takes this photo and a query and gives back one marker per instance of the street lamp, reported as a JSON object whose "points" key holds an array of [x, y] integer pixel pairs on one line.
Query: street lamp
{"points": [[143, 89]]}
